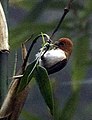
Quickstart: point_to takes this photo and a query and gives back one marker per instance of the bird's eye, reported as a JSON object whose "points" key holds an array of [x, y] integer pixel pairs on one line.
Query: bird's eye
{"points": [[62, 44]]}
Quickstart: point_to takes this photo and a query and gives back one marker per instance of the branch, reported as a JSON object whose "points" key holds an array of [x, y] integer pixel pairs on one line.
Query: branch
{"points": [[66, 10]]}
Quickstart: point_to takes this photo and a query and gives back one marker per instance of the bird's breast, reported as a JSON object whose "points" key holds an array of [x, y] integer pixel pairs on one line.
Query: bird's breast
{"points": [[52, 57]]}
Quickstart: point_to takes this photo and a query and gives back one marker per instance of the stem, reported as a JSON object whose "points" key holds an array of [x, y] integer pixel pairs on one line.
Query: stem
{"points": [[66, 10], [4, 48], [3, 75]]}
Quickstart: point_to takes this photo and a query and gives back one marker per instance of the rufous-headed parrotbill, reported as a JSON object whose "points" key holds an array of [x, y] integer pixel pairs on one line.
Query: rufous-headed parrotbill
{"points": [[56, 58]]}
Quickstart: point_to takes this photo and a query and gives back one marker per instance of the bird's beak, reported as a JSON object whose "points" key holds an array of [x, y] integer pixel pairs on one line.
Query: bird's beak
{"points": [[57, 44]]}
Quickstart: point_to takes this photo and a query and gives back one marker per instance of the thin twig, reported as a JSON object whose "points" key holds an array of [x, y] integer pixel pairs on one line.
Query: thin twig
{"points": [[66, 10], [24, 51], [15, 64], [28, 53]]}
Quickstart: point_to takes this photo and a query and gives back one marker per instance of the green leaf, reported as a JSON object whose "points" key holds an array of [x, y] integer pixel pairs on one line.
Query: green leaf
{"points": [[31, 72], [43, 39], [44, 86], [28, 74]]}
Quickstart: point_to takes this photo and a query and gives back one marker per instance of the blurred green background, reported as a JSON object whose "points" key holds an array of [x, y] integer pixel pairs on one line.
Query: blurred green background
{"points": [[73, 85]]}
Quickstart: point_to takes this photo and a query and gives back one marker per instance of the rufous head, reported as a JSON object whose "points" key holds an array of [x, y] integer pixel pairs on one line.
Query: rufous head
{"points": [[66, 45]]}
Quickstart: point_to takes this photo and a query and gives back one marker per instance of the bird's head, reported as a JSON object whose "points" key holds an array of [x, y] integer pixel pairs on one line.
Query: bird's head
{"points": [[66, 45], [56, 59]]}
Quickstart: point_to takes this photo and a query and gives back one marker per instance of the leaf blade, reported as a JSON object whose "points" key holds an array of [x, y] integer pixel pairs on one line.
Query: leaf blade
{"points": [[28, 74], [44, 86]]}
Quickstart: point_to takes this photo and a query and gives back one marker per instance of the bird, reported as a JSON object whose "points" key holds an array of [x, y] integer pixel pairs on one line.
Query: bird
{"points": [[56, 58]]}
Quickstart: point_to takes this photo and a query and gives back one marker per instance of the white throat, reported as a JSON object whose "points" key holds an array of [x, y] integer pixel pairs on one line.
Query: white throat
{"points": [[53, 56]]}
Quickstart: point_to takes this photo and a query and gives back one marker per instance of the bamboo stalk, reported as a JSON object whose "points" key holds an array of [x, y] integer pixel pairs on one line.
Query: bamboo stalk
{"points": [[5, 7], [13, 102], [4, 50]]}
